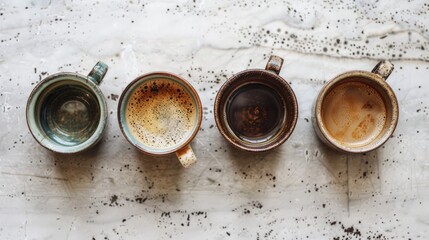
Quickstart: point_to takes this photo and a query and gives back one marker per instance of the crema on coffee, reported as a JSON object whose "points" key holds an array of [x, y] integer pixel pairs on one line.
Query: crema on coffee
{"points": [[160, 113], [354, 113]]}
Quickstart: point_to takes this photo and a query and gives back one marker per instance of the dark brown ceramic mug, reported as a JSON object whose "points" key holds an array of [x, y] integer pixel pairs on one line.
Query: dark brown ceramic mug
{"points": [[256, 110]]}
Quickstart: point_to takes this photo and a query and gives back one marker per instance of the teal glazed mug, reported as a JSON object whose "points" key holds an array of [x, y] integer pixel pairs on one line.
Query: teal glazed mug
{"points": [[67, 112]]}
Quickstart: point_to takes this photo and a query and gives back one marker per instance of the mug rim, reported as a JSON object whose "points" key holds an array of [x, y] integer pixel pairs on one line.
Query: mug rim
{"points": [[391, 97], [221, 93], [93, 87], [197, 123]]}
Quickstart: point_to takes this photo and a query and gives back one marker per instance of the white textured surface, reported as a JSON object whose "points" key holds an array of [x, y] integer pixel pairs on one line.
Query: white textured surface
{"points": [[300, 191]]}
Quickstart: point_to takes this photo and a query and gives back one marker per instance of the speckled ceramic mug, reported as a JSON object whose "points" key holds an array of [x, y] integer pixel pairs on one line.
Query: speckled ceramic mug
{"points": [[357, 111], [67, 112], [160, 113], [256, 110]]}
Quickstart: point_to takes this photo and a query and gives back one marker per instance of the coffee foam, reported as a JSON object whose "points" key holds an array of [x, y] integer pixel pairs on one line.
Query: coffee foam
{"points": [[354, 114], [160, 113]]}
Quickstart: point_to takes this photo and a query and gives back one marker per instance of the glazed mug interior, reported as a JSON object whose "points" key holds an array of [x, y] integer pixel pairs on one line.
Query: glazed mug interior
{"points": [[256, 110], [67, 112]]}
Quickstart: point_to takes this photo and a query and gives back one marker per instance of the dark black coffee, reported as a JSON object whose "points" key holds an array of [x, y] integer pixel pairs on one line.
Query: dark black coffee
{"points": [[255, 112]]}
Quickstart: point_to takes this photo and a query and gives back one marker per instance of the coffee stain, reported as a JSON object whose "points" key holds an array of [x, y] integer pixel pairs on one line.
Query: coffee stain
{"points": [[355, 232], [114, 97]]}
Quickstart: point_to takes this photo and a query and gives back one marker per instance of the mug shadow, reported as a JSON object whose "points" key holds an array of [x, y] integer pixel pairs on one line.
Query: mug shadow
{"points": [[254, 171], [161, 175], [330, 158], [359, 174], [76, 170], [364, 175], [88, 158]]}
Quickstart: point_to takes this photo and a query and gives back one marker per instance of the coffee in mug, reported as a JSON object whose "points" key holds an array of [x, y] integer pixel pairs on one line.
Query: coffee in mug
{"points": [[160, 113], [357, 111], [354, 113], [256, 110]]}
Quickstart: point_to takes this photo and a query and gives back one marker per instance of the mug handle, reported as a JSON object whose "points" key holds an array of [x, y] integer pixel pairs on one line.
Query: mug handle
{"points": [[97, 73], [274, 64], [383, 69], [186, 156]]}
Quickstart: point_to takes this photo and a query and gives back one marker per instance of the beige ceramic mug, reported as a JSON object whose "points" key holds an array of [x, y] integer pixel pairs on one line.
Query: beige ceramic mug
{"points": [[160, 113], [357, 111]]}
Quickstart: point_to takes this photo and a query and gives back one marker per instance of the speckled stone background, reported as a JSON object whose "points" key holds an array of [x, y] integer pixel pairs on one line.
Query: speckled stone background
{"points": [[302, 190]]}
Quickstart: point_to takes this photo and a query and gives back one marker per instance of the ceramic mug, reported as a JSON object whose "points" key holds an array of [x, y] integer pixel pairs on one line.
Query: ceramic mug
{"points": [[256, 110], [160, 113], [357, 111], [67, 112]]}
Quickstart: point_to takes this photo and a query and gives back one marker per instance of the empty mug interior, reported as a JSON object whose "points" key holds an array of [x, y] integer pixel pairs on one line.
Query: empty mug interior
{"points": [[66, 113], [365, 112], [157, 126], [266, 114]]}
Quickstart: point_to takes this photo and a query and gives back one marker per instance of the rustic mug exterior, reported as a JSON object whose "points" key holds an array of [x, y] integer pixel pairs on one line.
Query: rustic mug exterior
{"points": [[287, 111], [376, 79], [182, 149]]}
